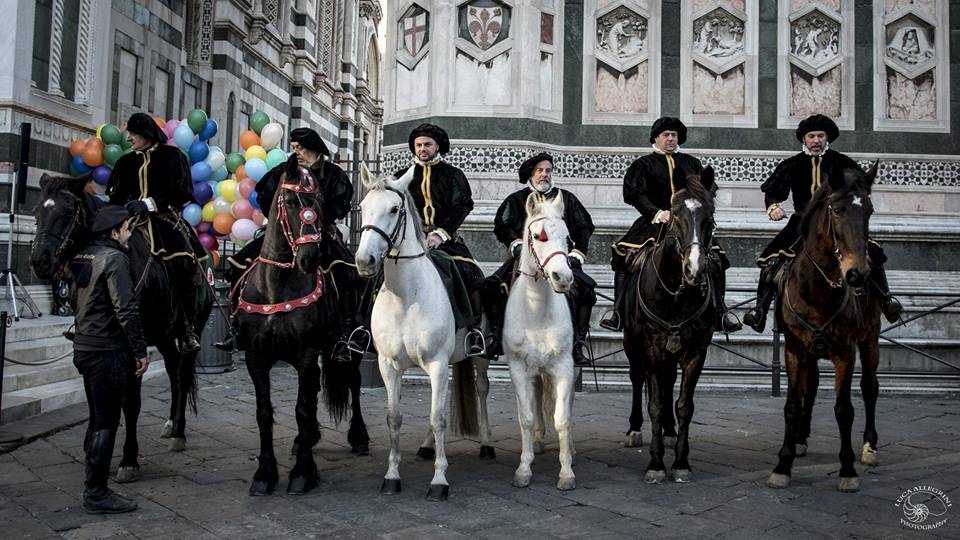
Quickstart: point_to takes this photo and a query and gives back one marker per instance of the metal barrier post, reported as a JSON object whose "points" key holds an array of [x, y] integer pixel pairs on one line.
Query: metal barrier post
{"points": [[5, 436]]}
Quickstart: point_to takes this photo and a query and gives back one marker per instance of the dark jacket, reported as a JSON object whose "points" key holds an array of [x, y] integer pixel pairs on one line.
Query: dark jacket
{"points": [[161, 173], [333, 183], [647, 183], [512, 214], [796, 175], [108, 316], [443, 197]]}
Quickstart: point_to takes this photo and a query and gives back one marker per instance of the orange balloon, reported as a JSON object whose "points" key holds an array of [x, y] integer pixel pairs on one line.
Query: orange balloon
{"points": [[241, 173], [94, 142], [216, 258], [223, 223], [159, 121], [249, 138], [92, 155], [77, 146]]}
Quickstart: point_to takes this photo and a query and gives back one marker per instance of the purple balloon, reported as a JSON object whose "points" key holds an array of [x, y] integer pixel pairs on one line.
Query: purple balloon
{"points": [[208, 241], [101, 175], [202, 192]]}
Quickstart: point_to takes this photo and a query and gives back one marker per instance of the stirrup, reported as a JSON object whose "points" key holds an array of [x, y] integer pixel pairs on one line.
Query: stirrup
{"points": [[611, 321], [354, 340], [892, 309], [466, 343], [732, 327]]}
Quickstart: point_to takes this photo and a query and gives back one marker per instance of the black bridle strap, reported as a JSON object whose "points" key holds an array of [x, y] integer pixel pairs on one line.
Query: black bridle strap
{"points": [[399, 233]]}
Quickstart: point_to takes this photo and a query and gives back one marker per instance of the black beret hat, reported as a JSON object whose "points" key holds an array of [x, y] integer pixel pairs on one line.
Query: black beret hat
{"points": [[818, 122], [434, 132], [669, 123], [143, 125], [108, 218], [527, 167], [310, 140]]}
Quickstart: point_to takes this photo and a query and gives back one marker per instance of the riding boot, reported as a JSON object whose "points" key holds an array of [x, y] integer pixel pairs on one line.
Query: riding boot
{"points": [[229, 343], [891, 307], [612, 321], [756, 317], [98, 498], [494, 309], [727, 322], [581, 325], [474, 341]]}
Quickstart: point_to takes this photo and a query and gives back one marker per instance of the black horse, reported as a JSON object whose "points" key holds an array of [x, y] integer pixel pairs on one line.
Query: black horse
{"points": [[286, 308], [63, 218], [670, 322]]}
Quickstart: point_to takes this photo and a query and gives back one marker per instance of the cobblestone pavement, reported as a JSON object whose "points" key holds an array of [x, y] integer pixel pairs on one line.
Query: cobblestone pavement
{"points": [[202, 492]]}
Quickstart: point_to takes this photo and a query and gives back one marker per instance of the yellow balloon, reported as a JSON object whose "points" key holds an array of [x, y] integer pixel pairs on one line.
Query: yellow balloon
{"points": [[255, 151], [208, 213], [100, 128], [228, 190]]}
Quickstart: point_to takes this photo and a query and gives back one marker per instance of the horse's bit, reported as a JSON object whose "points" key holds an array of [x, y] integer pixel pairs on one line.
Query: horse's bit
{"points": [[399, 233]]}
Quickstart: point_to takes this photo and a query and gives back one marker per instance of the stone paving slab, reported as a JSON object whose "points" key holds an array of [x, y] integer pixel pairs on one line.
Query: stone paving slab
{"points": [[202, 492]]}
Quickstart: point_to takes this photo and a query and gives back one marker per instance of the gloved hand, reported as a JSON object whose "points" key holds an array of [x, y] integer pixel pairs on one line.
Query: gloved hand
{"points": [[515, 250], [136, 207], [574, 262]]}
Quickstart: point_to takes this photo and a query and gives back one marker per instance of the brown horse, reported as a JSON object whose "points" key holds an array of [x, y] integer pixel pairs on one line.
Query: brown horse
{"points": [[671, 324], [827, 309]]}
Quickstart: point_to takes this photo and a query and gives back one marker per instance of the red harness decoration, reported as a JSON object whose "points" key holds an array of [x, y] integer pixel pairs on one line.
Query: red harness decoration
{"points": [[280, 307], [543, 238]]}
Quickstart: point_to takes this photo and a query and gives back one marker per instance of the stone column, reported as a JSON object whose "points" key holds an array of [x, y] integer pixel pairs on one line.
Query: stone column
{"points": [[56, 48]]}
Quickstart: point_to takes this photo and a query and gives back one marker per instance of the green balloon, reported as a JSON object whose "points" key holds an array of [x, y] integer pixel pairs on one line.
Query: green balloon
{"points": [[275, 157], [258, 121], [111, 153], [110, 134], [196, 119], [124, 143], [234, 160]]}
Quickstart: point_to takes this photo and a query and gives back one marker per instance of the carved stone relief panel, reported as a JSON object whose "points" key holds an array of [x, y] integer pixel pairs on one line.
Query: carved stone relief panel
{"points": [[412, 69], [413, 36], [482, 64], [911, 85]]}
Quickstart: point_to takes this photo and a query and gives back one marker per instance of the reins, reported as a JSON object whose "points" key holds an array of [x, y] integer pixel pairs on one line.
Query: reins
{"points": [[399, 233], [541, 272]]}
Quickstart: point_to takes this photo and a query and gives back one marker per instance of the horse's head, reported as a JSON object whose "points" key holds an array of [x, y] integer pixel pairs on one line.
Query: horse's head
{"points": [[691, 223], [62, 219], [848, 208], [298, 212], [546, 242], [386, 215]]}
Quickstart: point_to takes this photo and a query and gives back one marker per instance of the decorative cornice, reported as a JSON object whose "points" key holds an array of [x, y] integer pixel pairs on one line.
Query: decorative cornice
{"points": [[371, 9]]}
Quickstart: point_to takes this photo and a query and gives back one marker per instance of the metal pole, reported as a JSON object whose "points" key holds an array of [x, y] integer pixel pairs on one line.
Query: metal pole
{"points": [[11, 288], [775, 372], [5, 436]]}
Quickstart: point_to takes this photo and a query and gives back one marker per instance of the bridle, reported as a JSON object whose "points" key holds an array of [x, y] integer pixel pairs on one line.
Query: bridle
{"points": [[541, 272], [65, 239], [311, 216], [399, 232], [681, 250], [834, 283]]}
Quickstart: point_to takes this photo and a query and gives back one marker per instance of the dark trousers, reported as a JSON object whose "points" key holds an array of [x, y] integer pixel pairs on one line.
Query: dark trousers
{"points": [[106, 375]]}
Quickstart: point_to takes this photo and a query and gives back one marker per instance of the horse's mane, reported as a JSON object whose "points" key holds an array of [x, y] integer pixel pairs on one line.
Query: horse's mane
{"points": [[825, 190], [54, 184]]}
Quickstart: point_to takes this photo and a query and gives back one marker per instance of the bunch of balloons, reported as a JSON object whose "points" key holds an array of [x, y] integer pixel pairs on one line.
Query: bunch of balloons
{"points": [[98, 154]]}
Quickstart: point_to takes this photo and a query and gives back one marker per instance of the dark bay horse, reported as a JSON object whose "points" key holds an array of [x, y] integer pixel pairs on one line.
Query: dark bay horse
{"points": [[286, 309], [671, 322], [827, 309], [63, 218]]}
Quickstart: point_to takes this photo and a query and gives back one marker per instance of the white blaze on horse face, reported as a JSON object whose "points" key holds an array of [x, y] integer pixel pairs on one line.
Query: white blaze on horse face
{"points": [[857, 201], [694, 259], [49, 203]]}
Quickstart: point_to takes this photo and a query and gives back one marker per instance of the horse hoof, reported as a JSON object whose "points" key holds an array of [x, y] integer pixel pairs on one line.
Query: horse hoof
{"points": [[654, 477], [301, 485], [426, 453], [801, 450], [127, 474], [438, 492], [260, 487], [869, 456], [778, 481], [361, 450], [634, 439], [167, 430], [538, 447], [177, 444], [521, 480], [682, 476], [670, 441], [849, 484], [488, 452], [390, 486], [567, 484]]}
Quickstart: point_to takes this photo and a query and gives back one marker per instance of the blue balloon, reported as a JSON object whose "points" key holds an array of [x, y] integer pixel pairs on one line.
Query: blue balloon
{"points": [[101, 175], [198, 151], [183, 136], [200, 172], [255, 168], [253, 200], [193, 214], [209, 130], [213, 188], [220, 174], [202, 192], [79, 166]]}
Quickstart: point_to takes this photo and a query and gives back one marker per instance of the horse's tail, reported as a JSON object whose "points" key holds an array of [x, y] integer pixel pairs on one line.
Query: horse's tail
{"points": [[464, 409], [337, 378]]}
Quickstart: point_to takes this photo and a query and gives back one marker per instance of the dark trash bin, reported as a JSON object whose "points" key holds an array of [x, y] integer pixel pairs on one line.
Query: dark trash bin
{"points": [[211, 359]]}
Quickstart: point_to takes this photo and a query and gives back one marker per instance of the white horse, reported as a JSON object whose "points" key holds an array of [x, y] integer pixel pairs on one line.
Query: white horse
{"points": [[413, 325], [538, 337]]}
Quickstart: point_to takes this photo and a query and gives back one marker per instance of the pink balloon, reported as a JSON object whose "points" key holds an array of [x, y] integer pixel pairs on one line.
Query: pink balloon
{"points": [[243, 229], [242, 209], [246, 186], [257, 217], [169, 127], [208, 241]]}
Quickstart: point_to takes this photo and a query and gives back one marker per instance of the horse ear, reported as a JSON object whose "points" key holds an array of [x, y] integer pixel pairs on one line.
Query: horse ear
{"points": [[558, 203], [708, 178], [872, 174], [404, 181], [533, 205], [78, 184], [365, 177]]}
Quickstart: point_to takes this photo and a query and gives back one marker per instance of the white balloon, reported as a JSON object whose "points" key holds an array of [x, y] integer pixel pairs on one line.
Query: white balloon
{"points": [[271, 135], [215, 160]]}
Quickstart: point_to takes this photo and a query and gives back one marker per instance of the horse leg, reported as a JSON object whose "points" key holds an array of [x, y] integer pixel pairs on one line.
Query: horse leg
{"points": [[391, 382], [562, 420], [813, 384], [173, 363], [438, 372], [539, 422], [634, 437], [796, 364], [692, 368], [655, 473], [870, 387], [167, 351], [303, 476], [266, 477], [129, 469], [483, 390], [843, 410], [669, 423], [357, 435], [525, 389]]}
